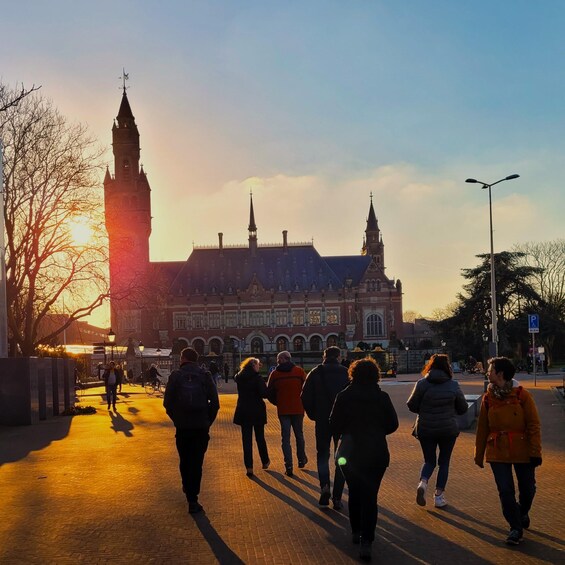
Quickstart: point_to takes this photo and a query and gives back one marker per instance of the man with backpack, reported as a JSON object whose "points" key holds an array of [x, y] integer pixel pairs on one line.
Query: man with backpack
{"points": [[318, 395], [191, 402]]}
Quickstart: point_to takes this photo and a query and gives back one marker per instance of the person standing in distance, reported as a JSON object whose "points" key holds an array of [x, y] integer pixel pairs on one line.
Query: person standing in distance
{"points": [[318, 396], [283, 390], [438, 400], [191, 402], [112, 379], [509, 435]]}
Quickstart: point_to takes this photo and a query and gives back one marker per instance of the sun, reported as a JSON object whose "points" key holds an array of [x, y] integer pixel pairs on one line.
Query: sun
{"points": [[80, 231]]}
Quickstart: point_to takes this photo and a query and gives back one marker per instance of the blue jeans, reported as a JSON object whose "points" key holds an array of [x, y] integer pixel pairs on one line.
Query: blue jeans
{"points": [[324, 439], [526, 475], [295, 422], [429, 447]]}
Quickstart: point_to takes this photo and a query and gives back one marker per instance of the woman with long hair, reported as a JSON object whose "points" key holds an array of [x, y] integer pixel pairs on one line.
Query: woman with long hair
{"points": [[363, 415], [251, 412], [437, 399]]}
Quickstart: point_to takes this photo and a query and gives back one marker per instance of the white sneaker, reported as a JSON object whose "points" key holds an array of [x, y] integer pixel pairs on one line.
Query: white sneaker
{"points": [[421, 493], [439, 500]]}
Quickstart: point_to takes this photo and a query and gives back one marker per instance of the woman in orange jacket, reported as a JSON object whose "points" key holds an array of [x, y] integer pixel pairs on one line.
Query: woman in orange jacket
{"points": [[509, 435]]}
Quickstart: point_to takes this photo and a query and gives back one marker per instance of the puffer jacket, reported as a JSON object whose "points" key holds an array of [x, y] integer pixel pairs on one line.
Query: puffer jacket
{"points": [[437, 399], [508, 430], [251, 389], [284, 388]]}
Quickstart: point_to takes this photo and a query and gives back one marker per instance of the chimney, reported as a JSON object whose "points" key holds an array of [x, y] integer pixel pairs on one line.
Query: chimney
{"points": [[285, 242], [221, 242]]}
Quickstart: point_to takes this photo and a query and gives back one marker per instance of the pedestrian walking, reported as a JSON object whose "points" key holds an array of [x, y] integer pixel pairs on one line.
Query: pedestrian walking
{"points": [[251, 412], [437, 399], [283, 390], [226, 372], [112, 378], [318, 395], [215, 373], [191, 402], [363, 415], [509, 436]]}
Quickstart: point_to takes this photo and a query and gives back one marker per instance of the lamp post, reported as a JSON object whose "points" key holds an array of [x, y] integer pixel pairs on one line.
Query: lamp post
{"points": [[407, 348], [443, 344], [111, 340], [493, 349], [141, 350]]}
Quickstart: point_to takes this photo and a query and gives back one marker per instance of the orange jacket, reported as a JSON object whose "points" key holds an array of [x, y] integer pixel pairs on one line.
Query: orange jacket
{"points": [[284, 388], [508, 430]]}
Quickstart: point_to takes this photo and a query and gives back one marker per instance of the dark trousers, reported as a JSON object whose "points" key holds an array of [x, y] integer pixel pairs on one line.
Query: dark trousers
{"points": [[111, 394], [429, 449], [364, 484], [192, 446], [247, 439], [324, 439], [526, 475]]}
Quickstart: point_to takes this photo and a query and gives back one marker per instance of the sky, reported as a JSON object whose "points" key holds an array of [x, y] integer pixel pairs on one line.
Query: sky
{"points": [[314, 105]]}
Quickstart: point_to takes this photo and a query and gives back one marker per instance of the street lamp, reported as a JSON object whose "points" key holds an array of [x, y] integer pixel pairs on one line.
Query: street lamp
{"points": [[141, 350], [407, 348], [111, 340], [493, 349]]}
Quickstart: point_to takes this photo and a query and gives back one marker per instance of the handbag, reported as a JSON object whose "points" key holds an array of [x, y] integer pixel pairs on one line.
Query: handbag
{"points": [[344, 449], [415, 428]]}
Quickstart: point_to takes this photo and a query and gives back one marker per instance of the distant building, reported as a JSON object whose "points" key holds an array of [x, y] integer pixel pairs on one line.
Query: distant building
{"points": [[249, 298]]}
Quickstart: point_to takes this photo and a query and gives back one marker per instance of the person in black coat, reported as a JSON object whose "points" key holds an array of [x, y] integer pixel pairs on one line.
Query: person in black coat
{"points": [[364, 415], [251, 412], [318, 395], [437, 399]]}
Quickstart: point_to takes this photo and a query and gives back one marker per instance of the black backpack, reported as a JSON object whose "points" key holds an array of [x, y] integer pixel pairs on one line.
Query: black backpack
{"points": [[192, 394]]}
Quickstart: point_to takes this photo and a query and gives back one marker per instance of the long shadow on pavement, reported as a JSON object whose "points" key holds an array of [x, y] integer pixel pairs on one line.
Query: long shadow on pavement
{"points": [[120, 424], [222, 551], [17, 442]]}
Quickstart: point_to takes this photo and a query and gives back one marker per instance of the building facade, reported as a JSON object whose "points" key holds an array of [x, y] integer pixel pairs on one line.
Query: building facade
{"points": [[248, 298]]}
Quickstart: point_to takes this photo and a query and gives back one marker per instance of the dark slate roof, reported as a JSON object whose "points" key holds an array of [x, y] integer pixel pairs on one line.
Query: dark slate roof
{"points": [[167, 271], [349, 266], [211, 271]]}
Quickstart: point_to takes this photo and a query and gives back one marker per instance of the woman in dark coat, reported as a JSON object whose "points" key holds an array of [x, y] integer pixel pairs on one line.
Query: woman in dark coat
{"points": [[251, 412], [365, 415], [437, 399]]}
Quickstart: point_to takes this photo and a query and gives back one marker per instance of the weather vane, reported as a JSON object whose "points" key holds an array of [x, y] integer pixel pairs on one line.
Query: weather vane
{"points": [[123, 78]]}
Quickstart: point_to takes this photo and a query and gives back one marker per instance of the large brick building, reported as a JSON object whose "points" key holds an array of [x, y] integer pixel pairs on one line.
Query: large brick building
{"points": [[251, 298]]}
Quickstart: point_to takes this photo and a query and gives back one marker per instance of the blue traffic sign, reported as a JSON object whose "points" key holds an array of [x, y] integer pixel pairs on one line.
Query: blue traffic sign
{"points": [[533, 323]]}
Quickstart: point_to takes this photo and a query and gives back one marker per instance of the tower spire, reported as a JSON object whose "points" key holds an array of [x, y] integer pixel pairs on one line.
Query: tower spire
{"points": [[252, 227]]}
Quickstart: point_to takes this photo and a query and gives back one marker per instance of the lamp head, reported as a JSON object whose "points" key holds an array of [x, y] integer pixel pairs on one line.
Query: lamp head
{"points": [[111, 336], [512, 177], [141, 347], [471, 180]]}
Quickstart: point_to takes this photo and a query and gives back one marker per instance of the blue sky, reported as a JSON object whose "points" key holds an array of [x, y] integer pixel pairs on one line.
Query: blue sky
{"points": [[314, 105]]}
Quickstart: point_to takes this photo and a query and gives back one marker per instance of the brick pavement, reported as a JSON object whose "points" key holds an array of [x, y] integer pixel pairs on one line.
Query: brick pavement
{"points": [[105, 489]]}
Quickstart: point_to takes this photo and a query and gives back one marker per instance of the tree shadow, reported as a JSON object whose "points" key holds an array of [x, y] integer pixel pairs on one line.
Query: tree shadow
{"points": [[222, 552]]}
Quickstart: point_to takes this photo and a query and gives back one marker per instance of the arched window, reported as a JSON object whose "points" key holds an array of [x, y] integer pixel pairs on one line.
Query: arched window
{"points": [[215, 346], [198, 344], [256, 345], [298, 343], [374, 325], [282, 344], [315, 343], [331, 341]]}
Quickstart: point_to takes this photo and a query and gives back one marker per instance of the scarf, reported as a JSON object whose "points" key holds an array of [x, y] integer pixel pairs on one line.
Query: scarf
{"points": [[500, 392]]}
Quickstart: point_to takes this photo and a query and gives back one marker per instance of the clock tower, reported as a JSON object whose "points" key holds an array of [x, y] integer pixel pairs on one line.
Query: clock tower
{"points": [[128, 221]]}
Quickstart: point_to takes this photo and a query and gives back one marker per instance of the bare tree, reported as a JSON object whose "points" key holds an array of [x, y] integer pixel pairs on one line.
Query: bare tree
{"points": [[9, 99], [549, 256], [410, 316], [52, 172]]}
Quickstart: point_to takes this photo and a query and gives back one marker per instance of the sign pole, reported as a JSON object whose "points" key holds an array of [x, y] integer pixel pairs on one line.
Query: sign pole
{"points": [[534, 360]]}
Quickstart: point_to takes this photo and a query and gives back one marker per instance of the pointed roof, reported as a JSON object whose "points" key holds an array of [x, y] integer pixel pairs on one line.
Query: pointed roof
{"points": [[107, 176], [125, 109], [252, 226], [372, 224]]}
